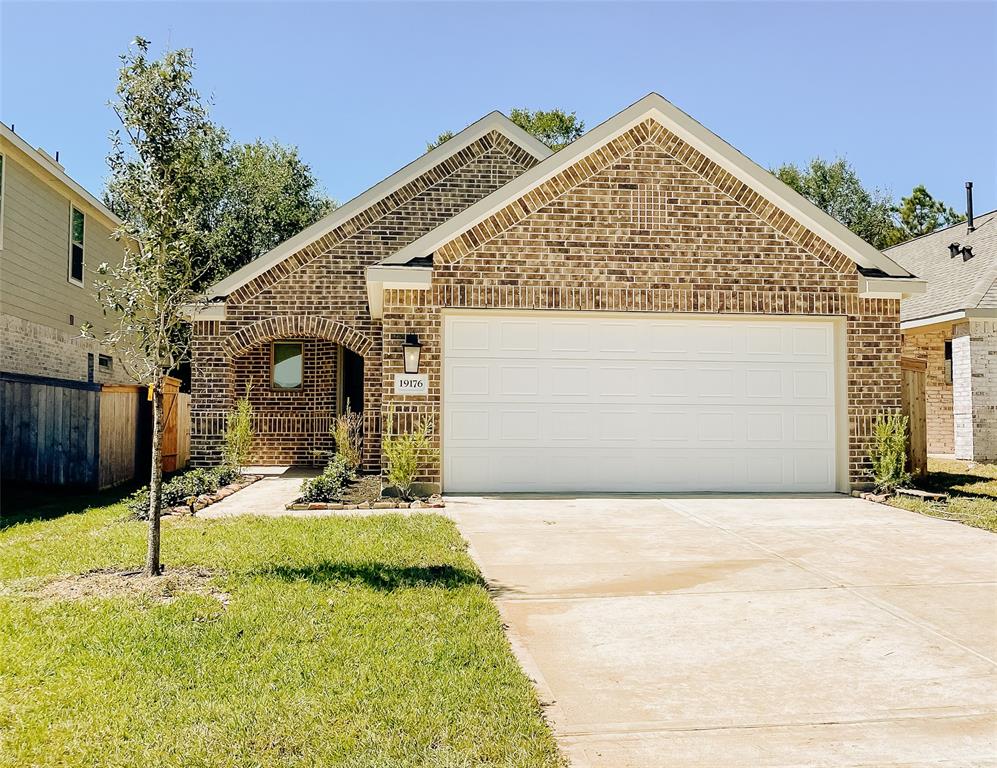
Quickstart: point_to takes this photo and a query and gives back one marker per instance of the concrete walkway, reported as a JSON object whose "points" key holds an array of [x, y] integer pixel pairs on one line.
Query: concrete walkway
{"points": [[748, 631], [267, 497]]}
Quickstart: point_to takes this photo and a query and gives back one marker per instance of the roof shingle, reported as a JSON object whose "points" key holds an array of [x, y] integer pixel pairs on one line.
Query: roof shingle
{"points": [[954, 284]]}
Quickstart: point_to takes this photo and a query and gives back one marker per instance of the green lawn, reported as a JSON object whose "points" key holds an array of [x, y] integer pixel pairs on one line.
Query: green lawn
{"points": [[344, 642], [972, 493]]}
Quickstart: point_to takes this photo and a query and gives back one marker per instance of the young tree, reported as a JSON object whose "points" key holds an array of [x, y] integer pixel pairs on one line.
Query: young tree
{"points": [[835, 188], [157, 171], [554, 127], [252, 197]]}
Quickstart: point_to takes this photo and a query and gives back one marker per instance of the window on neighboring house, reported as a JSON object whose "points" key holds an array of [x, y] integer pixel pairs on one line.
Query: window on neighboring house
{"points": [[286, 369], [76, 225], [948, 362], [105, 362], [1, 200]]}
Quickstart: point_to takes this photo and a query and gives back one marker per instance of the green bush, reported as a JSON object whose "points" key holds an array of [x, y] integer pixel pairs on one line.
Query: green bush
{"points": [[329, 485], [239, 434], [889, 452], [406, 452], [179, 488], [225, 474]]}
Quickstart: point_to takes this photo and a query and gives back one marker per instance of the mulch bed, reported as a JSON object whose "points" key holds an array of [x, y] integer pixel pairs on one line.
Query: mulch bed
{"points": [[433, 502]]}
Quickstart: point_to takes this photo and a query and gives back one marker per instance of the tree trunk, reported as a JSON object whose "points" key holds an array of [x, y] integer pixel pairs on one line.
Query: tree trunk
{"points": [[152, 567]]}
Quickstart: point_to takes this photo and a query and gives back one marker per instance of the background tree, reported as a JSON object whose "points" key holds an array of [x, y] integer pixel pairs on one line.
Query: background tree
{"points": [[268, 195], [919, 214], [835, 188], [162, 175], [554, 127], [445, 136], [251, 198]]}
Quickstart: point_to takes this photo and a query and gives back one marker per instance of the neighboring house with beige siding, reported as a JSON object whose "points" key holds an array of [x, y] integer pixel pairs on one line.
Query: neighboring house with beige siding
{"points": [[53, 235]]}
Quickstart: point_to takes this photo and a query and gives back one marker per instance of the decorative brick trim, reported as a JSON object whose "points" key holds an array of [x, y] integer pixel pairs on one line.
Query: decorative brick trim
{"points": [[647, 132], [638, 300], [382, 208], [295, 325]]}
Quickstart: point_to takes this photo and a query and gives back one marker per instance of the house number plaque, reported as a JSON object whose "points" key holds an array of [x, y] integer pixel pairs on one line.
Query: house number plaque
{"points": [[411, 383]]}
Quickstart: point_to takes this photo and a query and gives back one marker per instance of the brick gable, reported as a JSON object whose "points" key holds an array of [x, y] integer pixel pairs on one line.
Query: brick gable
{"points": [[637, 228], [320, 292]]}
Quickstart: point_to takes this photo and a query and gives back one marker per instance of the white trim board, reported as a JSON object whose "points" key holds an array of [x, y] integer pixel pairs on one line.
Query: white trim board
{"points": [[494, 121], [678, 122], [949, 317], [405, 278]]}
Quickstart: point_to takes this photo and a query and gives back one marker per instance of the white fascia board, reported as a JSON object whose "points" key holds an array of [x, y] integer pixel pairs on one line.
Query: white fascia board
{"points": [[949, 317], [50, 167], [200, 312], [678, 122], [402, 278], [890, 287], [494, 121]]}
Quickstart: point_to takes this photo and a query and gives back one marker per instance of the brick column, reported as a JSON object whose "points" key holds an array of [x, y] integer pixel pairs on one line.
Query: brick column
{"points": [[211, 393], [974, 390]]}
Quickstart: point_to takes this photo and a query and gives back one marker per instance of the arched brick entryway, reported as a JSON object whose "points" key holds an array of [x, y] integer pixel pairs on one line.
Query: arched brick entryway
{"points": [[293, 426], [273, 328]]}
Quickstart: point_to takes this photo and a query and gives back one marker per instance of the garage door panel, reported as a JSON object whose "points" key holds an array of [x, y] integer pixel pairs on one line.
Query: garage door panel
{"points": [[518, 336], [637, 381], [590, 403], [724, 426], [517, 381], [661, 471]]}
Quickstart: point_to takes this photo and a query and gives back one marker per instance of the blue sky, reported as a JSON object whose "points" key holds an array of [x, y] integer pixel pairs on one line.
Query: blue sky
{"points": [[905, 90]]}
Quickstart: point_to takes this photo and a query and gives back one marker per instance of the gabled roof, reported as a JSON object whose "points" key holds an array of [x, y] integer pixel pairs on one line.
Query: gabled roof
{"points": [[655, 107], [53, 169], [494, 121], [955, 284]]}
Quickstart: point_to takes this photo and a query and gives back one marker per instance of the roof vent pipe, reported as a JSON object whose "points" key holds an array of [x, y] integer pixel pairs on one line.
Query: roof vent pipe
{"points": [[969, 207]]}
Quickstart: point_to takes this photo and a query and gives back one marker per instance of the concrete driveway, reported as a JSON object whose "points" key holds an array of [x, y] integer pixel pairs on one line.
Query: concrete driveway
{"points": [[747, 631]]}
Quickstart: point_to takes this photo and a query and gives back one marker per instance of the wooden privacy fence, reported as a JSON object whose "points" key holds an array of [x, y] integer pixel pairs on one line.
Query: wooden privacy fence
{"points": [[913, 380], [49, 430], [59, 432]]}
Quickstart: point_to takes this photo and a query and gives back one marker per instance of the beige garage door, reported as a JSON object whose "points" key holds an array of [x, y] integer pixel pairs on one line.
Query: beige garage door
{"points": [[587, 402]]}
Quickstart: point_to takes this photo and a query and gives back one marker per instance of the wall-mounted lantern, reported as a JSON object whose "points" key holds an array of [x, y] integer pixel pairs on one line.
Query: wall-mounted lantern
{"points": [[411, 350]]}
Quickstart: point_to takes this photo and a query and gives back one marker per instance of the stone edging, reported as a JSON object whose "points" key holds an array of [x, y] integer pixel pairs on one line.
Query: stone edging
{"points": [[433, 502], [879, 498], [207, 499]]}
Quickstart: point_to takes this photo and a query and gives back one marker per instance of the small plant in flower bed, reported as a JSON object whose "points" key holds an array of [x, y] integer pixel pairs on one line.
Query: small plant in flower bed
{"points": [[329, 485], [179, 488]]}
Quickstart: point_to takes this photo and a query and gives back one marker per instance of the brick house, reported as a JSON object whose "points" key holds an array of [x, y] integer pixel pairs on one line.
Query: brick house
{"points": [[646, 309], [953, 327]]}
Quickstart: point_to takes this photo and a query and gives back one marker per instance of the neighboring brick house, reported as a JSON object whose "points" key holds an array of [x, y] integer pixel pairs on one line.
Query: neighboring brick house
{"points": [[53, 234], [646, 309], [953, 327]]}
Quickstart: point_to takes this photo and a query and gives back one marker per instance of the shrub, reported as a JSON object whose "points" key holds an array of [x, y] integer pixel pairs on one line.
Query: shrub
{"points": [[347, 432], [239, 434], [329, 485], [179, 488], [889, 452], [405, 452], [225, 474]]}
